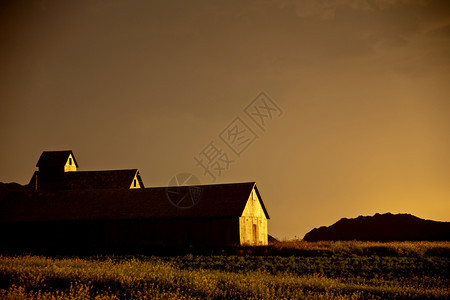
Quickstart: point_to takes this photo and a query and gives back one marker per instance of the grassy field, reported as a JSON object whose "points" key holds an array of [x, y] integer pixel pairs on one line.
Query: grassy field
{"points": [[294, 269]]}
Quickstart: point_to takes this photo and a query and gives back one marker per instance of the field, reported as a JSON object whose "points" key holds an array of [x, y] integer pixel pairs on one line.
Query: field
{"points": [[293, 269]]}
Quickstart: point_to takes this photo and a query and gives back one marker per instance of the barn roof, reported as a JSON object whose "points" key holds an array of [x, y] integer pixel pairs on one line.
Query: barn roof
{"points": [[55, 158], [219, 200], [120, 179], [112, 179]]}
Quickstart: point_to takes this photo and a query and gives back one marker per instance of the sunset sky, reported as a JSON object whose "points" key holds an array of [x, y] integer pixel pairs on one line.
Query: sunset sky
{"points": [[362, 88]]}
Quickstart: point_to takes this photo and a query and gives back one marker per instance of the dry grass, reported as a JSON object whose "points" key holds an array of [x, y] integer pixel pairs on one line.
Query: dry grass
{"points": [[344, 276], [421, 248]]}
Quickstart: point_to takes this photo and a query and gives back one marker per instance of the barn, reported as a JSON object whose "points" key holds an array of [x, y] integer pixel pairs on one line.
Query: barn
{"points": [[223, 215], [95, 217], [58, 170]]}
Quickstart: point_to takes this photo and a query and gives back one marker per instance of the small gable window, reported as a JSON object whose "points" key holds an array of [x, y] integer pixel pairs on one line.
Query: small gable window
{"points": [[134, 183], [70, 160]]}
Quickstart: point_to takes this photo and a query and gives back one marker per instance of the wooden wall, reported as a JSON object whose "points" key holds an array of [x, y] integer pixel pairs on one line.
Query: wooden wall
{"points": [[253, 223], [204, 232]]}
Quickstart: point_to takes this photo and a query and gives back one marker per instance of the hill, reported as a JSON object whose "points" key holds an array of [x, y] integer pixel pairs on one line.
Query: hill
{"points": [[382, 227], [6, 188]]}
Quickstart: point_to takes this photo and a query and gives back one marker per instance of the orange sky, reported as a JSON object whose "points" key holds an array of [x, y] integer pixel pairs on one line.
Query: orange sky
{"points": [[363, 86]]}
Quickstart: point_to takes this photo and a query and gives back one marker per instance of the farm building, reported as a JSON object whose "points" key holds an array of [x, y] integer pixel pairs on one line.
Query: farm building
{"points": [[93, 216], [58, 170]]}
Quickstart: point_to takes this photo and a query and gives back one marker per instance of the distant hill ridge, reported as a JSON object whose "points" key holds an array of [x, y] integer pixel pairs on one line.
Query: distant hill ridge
{"points": [[6, 188], [382, 227]]}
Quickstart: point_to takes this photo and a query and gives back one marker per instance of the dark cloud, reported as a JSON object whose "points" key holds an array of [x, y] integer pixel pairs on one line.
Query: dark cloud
{"points": [[147, 84]]}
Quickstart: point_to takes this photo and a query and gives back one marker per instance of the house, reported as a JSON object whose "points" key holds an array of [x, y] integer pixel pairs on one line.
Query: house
{"points": [[58, 170], [102, 215]]}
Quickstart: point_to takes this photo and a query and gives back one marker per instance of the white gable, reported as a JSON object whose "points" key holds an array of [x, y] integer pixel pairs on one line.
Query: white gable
{"points": [[135, 183], [253, 222], [70, 165], [253, 207]]}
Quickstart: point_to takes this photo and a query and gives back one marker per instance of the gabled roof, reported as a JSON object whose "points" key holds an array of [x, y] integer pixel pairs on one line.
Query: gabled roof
{"points": [[55, 158], [261, 201], [219, 200], [112, 179]]}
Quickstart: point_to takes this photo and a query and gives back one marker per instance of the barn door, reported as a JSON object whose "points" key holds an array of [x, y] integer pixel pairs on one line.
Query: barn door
{"points": [[255, 234]]}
